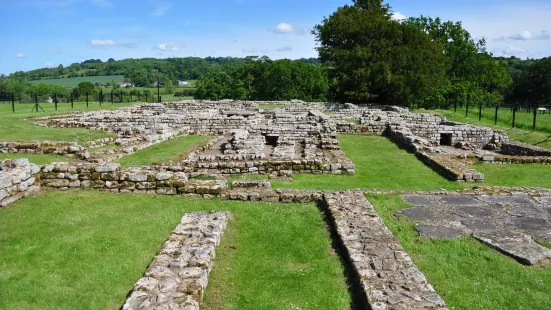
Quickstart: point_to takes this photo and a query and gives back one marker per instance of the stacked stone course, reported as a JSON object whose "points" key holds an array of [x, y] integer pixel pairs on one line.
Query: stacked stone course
{"points": [[178, 276], [18, 178], [387, 274]]}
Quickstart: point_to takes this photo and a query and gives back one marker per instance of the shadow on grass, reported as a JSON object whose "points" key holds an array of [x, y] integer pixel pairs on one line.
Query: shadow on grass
{"points": [[358, 299]]}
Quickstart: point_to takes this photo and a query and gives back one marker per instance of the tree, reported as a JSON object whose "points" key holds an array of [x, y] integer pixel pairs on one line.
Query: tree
{"points": [[534, 85], [370, 57], [85, 87], [472, 73]]}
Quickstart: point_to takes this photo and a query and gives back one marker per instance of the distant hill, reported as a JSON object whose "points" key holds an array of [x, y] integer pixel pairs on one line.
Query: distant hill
{"points": [[73, 82]]}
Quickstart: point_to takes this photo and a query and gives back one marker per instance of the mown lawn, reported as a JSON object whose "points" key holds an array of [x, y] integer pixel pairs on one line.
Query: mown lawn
{"points": [[86, 249], [39, 159], [173, 149], [522, 133], [466, 273], [380, 164], [531, 175], [13, 127]]}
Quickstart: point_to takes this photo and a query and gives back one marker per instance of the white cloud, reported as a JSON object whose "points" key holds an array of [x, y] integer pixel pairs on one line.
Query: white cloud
{"points": [[20, 55], [284, 28], [525, 36], [160, 7], [398, 16], [100, 43], [102, 3], [48, 65], [169, 47], [286, 48]]}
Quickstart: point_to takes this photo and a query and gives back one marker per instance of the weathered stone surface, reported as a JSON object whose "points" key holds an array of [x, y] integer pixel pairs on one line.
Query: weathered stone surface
{"points": [[178, 276], [18, 178], [504, 222], [388, 276], [517, 245], [439, 232]]}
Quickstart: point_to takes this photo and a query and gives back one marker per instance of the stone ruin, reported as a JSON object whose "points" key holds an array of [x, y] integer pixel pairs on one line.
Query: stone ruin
{"points": [[297, 138]]}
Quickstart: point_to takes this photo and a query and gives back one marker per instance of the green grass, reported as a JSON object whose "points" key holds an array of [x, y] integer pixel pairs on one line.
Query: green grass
{"points": [[466, 273], [541, 137], [532, 175], [379, 164], [85, 250], [103, 147], [69, 82], [271, 106], [173, 149], [39, 159], [13, 127]]}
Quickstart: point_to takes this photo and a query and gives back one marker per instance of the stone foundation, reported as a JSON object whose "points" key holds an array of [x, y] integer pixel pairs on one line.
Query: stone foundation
{"points": [[178, 276], [18, 178], [44, 147], [388, 276], [522, 149]]}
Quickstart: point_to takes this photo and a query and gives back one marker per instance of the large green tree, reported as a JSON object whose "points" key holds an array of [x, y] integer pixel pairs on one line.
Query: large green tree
{"points": [[473, 76], [373, 58]]}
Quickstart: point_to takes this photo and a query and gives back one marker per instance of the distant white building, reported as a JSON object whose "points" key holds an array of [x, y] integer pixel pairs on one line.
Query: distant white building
{"points": [[184, 83], [125, 84]]}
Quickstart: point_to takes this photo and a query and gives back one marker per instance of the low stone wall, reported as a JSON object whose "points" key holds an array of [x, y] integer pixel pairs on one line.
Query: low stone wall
{"points": [[450, 167], [510, 159], [18, 178], [178, 276], [389, 278], [521, 149], [44, 147], [316, 166]]}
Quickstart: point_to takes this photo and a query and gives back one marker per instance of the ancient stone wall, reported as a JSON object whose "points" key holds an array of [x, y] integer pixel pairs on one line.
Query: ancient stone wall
{"points": [[178, 276], [389, 278], [18, 178], [44, 147], [522, 149]]}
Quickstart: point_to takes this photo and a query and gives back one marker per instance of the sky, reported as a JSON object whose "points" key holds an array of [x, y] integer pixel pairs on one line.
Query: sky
{"points": [[46, 33]]}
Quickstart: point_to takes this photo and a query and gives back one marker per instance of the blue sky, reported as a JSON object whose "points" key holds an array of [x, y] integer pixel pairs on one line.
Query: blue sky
{"points": [[46, 33]]}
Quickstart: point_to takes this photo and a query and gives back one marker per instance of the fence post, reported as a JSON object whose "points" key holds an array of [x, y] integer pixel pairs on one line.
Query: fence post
{"points": [[72, 103], [86, 99], [497, 109], [130, 96], [100, 97], [455, 107], [535, 114], [55, 100], [145, 97], [514, 115], [480, 112], [111, 97], [13, 102], [466, 109], [121, 97]]}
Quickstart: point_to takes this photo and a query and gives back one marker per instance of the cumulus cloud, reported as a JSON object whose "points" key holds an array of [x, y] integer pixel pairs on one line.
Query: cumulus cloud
{"points": [[99, 43], [102, 3], [255, 51], [284, 28], [286, 48], [525, 36], [510, 51], [169, 47], [19, 55], [49, 65], [398, 16]]}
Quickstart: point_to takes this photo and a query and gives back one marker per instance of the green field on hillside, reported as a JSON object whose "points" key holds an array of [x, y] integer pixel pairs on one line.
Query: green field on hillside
{"points": [[69, 82]]}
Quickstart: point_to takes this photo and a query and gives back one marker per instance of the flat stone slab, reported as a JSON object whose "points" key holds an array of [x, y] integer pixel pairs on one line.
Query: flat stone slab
{"points": [[517, 245], [439, 232], [420, 201], [505, 222]]}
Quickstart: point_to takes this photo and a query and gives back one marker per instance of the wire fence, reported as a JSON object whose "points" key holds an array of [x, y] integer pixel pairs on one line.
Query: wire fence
{"points": [[101, 98], [532, 117]]}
